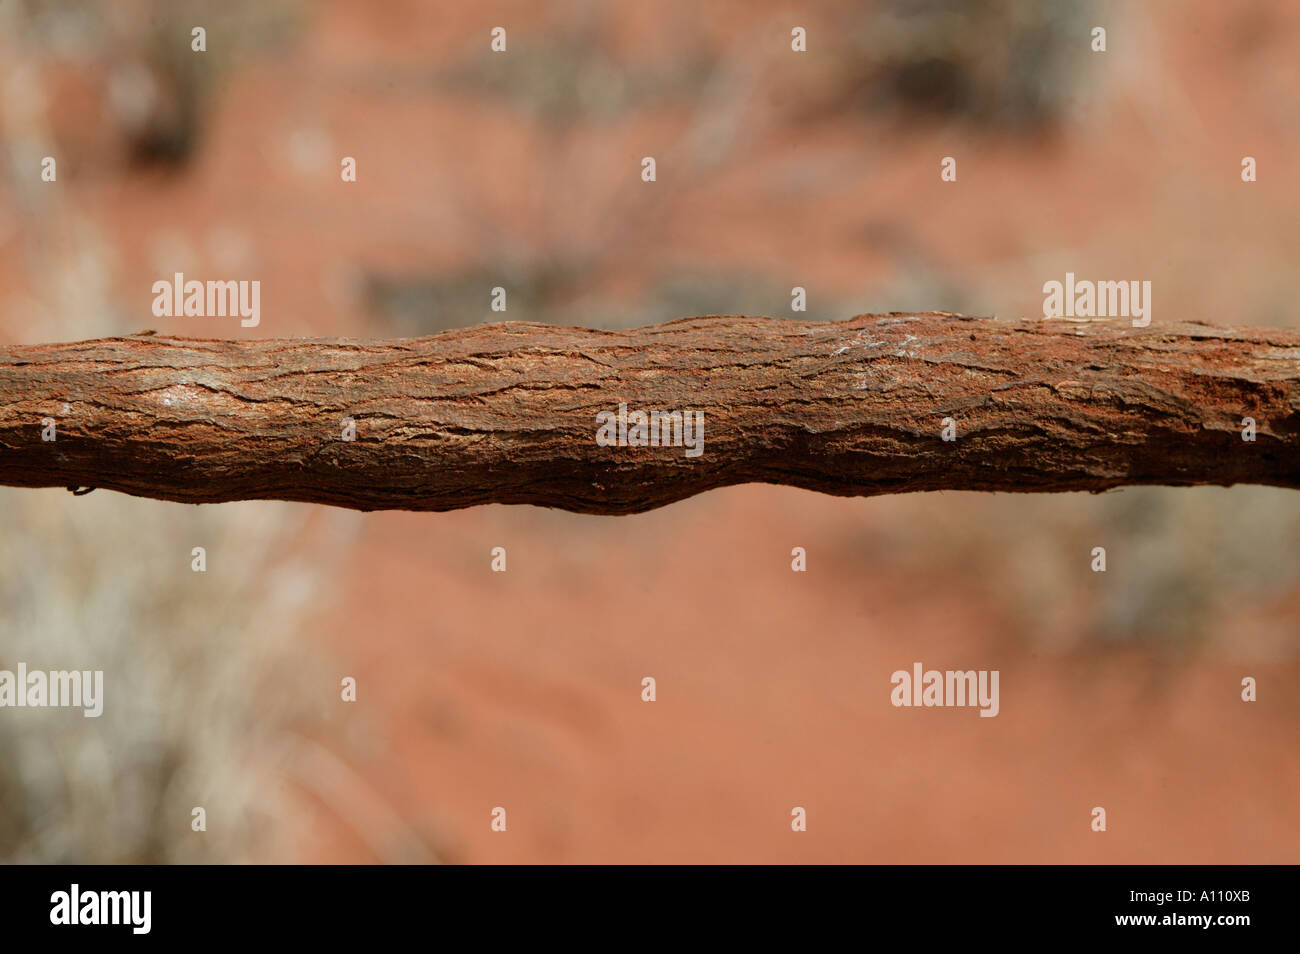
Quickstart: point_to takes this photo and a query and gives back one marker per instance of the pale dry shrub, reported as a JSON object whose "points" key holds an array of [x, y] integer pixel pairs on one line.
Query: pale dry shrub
{"points": [[201, 674]]}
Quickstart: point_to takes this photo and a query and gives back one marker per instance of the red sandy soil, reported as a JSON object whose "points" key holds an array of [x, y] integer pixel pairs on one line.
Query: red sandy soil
{"points": [[522, 690]]}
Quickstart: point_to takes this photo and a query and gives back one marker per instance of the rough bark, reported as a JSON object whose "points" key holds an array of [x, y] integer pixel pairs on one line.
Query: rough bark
{"points": [[506, 413]]}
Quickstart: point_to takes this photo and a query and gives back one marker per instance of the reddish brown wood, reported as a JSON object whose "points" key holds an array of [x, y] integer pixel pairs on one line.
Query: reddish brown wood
{"points": [[506, 413]]}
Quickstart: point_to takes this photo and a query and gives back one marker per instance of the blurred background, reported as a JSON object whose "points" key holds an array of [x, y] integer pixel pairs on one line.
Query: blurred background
{"points": [[522, 689]]}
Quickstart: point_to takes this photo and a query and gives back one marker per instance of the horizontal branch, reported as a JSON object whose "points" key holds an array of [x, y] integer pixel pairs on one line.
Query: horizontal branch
{"points": [[528, 413]]}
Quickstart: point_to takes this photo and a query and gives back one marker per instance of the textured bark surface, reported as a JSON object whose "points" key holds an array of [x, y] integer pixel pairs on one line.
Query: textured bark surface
{"points": [[506, 413]]}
